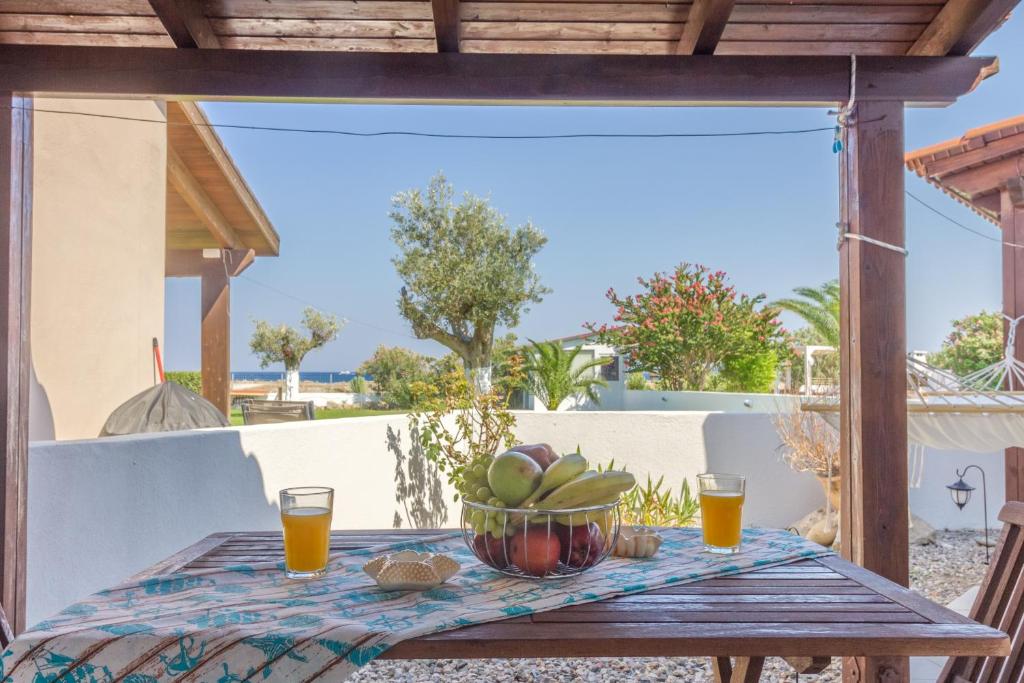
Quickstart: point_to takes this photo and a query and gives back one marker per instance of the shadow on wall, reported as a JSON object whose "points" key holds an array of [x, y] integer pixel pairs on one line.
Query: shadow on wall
{"points": [[776, 495], [134, 501], [40, 414], [418, 489]]}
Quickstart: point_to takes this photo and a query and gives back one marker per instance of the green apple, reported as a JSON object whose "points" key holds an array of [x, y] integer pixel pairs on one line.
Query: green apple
{"points": [[513, 477]]}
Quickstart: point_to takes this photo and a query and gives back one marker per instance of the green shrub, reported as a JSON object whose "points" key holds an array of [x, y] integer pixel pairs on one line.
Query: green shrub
{"points": [[190, 379], [357, 385], [754, 372], [636, 381]]}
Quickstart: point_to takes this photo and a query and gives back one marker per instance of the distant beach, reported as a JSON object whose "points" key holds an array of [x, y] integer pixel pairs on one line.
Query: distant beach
{"points": [[260, 377]]}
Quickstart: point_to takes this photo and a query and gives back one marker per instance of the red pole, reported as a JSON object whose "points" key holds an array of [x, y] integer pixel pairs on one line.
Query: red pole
{"points": [[157, 359]]}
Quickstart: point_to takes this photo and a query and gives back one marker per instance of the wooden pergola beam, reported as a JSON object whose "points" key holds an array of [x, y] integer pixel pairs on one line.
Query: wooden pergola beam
{"points": [[1011, 143], [1011, 222], [197, 199], [446, 24], [194, 262], [873, 361], [990, 17], [949, 26], [216, 335], [185, 23], [987, 177], [704, 25], [15, 355], [461, 78]]}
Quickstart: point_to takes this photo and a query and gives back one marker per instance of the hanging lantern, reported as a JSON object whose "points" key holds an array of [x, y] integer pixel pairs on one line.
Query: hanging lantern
{"points": [[960, 490]]}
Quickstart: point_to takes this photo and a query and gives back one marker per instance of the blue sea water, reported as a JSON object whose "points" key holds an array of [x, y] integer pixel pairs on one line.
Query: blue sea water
{"points": [[265, 376]]}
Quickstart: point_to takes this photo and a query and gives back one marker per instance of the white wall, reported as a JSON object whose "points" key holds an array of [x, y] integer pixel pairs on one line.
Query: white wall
{"points": [[682, 445], [97, 261], [932, 502], [708, 400], [101, 510]]}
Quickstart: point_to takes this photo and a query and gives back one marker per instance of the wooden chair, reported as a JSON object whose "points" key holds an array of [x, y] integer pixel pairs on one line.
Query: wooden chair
{"points": [[256, 412], [999, 604]]}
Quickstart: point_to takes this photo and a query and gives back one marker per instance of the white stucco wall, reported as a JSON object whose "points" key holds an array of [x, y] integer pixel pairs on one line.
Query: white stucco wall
{"points": [[101, 510], [98, 221]]}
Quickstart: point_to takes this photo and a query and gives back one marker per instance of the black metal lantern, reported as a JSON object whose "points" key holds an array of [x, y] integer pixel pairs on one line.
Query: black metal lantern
{"points": [[961, 492]]}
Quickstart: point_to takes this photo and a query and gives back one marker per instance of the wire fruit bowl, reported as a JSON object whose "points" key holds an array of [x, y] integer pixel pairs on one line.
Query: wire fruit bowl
{"points": [[540, 544]]}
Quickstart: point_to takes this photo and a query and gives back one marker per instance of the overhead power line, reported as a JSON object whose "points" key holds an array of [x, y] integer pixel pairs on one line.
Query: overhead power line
{"points": [[446, 136]]}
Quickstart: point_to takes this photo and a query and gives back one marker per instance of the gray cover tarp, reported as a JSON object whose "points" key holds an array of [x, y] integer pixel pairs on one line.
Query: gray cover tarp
{"points": [[167, 407]]}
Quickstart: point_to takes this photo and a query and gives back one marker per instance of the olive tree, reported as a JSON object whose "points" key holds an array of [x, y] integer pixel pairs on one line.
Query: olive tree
{"points": [[287, 345], [464, 269]]}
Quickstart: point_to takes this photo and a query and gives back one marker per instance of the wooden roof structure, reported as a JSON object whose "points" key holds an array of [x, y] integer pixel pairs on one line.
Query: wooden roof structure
{"points": [[633, 27], [973, 169], [209, 204]]}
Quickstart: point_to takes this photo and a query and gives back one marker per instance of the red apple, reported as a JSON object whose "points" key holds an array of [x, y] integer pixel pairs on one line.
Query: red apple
{"points": [[491, 551], [542, 453], [535, 551], [582, 544]]}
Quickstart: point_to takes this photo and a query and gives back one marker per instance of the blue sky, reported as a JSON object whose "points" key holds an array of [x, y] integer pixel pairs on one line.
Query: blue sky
{"points": [[762, 209]]}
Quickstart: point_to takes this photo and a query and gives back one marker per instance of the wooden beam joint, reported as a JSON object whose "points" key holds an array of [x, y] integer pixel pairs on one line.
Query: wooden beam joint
{"points": [[195, 262], [185, 23], [704, 26], [447, 25]]}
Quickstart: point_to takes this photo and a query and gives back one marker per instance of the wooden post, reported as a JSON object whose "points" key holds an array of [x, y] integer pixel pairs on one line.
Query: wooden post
{"points": [[15, 358], [873, 383], [1011, 219], [216, 335]]}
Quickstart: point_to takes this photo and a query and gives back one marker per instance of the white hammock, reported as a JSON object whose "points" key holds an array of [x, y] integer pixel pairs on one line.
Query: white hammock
{"points": [[948, 413]]}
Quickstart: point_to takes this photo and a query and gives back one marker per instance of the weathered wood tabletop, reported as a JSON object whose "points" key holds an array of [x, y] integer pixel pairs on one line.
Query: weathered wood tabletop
{"points": [[808, 609]]}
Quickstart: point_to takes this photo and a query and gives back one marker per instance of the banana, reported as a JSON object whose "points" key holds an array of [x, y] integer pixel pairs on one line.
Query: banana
{"points": [[589, 488], [562, 471]]}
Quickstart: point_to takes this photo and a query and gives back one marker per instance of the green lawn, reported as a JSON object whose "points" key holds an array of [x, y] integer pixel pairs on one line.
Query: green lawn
{"points": [[328, 413]]}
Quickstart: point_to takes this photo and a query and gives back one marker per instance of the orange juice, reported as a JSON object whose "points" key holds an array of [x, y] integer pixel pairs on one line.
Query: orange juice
{"points": [[307, 534], [721, 516]]}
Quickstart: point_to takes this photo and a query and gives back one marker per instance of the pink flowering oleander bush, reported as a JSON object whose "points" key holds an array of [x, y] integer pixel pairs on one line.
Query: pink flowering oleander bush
{"points": [[692, 330]]}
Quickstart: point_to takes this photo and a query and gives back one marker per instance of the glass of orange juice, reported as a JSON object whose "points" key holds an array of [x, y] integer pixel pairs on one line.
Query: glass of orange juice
{"points": [[721, 509], [306, 518]]}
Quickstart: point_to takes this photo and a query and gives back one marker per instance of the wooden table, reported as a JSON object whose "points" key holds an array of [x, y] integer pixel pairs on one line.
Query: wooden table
{"points": [[806, 611]]}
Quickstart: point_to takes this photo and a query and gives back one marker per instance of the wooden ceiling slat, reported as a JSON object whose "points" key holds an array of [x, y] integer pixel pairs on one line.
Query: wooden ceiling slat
{"points": [[583, 12], [572, 47], [47, 23], [319, 9], [837, 14], [330, 44], [731, 47], [85, 39], [821, 32], [548, 30], [946, 28], [81, 7], [324, 28]]}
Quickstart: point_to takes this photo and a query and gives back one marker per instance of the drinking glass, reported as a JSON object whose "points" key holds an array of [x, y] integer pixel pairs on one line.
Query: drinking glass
{"points": [[721, 509], [306, 519]]}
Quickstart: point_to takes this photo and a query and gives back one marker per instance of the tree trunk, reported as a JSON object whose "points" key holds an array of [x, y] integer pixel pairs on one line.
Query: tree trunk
{"points": [[291, 384], [480, 378]]}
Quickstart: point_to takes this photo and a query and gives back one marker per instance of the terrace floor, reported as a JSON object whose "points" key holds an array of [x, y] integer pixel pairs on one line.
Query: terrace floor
{"points": [[942, 572]]}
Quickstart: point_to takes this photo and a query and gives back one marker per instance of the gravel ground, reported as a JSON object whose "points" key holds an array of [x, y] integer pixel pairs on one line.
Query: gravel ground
{"points": [[941, 572]]}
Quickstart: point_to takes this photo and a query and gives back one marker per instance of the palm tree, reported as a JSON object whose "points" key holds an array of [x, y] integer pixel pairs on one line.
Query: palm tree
{"points": [[555, 376], [819, 308]]}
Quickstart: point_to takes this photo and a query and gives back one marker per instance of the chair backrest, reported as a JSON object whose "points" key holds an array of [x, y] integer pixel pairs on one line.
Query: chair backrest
{"points": [[255, 412], [998, 605], [6, 634]]}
